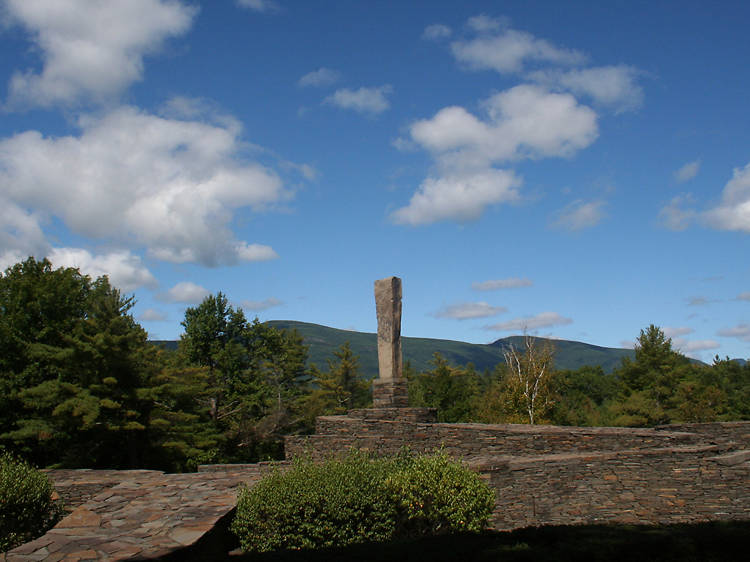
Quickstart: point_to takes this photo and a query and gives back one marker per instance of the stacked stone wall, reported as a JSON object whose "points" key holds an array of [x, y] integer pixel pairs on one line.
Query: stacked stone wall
{"points": [[550, 475], [335, 434], [685, 485], [715, 432]]}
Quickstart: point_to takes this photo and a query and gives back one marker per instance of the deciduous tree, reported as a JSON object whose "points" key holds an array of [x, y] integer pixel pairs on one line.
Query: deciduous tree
{"points": [[530, 371]]}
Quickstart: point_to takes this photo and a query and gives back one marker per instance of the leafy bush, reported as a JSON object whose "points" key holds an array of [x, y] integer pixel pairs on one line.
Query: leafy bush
{"points": [[435, 495], [26, 506], [360, 499]]}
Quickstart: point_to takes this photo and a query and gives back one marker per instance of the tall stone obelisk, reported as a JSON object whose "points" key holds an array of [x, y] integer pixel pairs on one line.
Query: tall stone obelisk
{"points": [[389, 390]]}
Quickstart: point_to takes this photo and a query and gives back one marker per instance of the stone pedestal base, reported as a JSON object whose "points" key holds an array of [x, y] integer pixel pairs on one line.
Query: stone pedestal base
{"points": [[390, 394], [413, 415]]}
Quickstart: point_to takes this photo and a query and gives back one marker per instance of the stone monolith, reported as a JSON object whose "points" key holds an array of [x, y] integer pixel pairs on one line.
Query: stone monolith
{"points": [[389, 389], [388, 309]]}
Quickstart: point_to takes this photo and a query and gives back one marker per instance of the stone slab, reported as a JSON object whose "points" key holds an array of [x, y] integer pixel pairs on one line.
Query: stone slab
{"points": [[144, 514], [388, 309]]}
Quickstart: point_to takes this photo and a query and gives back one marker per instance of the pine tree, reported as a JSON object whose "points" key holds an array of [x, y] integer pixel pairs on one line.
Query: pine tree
{"points": [[75, 368], [338, 389]]}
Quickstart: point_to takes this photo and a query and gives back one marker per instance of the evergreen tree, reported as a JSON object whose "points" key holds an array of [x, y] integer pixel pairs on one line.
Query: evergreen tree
{"points": [[339, 389], [654, 364], [583, 396], [181, 433], [253, 377], [214, 338], [452, 390], [74, 369], [650, 381], [733, 379]]}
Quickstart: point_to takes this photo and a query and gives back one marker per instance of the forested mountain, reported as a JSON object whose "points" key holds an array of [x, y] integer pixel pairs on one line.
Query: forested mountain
{"points": [[323, 341]]}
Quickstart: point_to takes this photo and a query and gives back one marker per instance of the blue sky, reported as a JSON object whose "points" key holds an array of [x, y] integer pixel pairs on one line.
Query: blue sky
{"points": [[576, 170]]}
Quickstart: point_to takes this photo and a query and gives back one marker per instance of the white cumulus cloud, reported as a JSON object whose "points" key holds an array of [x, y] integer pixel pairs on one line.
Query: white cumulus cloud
{"points": [[170, 185], [612, 86], [690, 347], [257, 306], [677, 214], [469, 310], [254, 252], [21, 233], [125, 270], [320, 77], [688, 171], [185, 292], [508, 50], [523, 122], [259, 5], [542, 320], [495, 284], [370, 101], [579, 215], [498, 47], [733, 212], [459, 197], [677, 331], [90, 50], [740, 331], [541, 118], [483, 23], [436, 31], [152, 315]]}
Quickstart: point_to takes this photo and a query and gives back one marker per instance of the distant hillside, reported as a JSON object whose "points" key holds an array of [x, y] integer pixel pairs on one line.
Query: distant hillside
{"points": [[168, 344], [323, 341]]}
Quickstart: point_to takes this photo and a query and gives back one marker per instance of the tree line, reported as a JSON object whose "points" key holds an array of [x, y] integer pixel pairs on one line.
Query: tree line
{"points": [[81, 386], [658, 386]]}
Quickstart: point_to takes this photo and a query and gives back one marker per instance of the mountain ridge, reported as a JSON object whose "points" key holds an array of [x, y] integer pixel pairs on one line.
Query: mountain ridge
{"points": [[324, 340]]}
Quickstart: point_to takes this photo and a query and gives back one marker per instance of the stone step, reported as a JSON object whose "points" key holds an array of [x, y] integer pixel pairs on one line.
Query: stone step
{"points": [[369, 420]]}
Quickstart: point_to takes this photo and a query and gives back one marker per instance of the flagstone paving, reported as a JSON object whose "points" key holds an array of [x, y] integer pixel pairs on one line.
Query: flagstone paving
{"points": [[139, 514]]}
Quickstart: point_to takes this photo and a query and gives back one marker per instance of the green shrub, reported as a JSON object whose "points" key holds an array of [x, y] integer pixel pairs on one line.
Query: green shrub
{"points": [[360, 499], [26, 506], [435, 495]]}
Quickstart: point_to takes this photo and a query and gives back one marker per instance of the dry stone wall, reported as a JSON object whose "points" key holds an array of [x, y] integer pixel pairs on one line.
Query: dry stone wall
{"points": [[715, 432], [685, 485], [566, 475], [335, 434]]}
